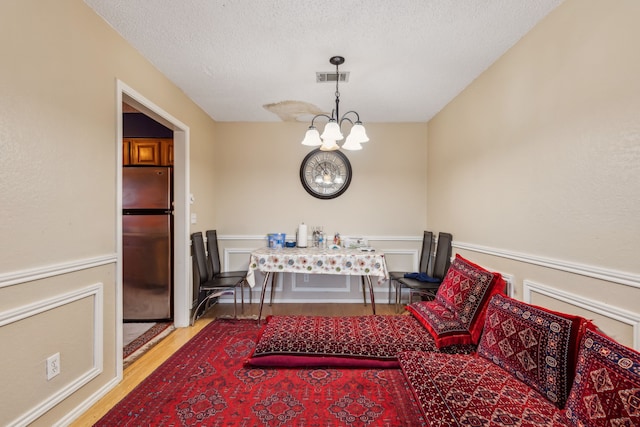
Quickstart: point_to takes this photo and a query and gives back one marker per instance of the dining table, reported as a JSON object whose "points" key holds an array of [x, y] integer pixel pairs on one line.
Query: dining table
{"points": [[365, 262]]}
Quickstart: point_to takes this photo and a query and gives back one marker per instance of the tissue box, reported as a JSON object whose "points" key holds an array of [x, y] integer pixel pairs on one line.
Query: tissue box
{"points": [[276, 240], [354, 242]]}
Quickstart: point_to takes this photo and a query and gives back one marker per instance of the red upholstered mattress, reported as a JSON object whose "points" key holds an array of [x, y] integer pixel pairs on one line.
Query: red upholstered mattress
{"points": [[469, 390], [346, 341]]}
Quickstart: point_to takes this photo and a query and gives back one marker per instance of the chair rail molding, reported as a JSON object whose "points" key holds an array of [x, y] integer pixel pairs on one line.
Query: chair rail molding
{"points": [[46, 271], [610, 275]]}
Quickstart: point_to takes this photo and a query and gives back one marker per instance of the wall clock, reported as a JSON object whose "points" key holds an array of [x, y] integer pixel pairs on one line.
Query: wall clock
{"points": [[325, 174]]}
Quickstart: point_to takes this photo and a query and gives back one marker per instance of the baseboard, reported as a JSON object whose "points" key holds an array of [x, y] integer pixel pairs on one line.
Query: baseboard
{"points": [[87, 403]]}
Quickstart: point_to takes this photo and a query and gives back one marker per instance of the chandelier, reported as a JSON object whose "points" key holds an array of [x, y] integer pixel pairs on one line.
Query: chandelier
{"points": [[332, 133]]}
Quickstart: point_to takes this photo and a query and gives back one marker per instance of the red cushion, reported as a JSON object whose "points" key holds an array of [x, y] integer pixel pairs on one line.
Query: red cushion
{"points": [[536, 345], [466, 391], [441, 323], [344, 341], [606, 389], [466, 290]]}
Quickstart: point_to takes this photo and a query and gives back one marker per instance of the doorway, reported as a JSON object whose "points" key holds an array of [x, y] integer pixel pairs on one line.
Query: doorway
{"points": [[181, 245]]}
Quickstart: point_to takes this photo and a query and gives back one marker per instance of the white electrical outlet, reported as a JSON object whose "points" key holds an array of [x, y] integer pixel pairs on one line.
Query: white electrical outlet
{"points": [[53, 366], [306, 278]]}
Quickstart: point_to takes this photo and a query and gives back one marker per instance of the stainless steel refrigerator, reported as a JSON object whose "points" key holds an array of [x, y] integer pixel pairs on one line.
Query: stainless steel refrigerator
{"points": [[147, 230]]}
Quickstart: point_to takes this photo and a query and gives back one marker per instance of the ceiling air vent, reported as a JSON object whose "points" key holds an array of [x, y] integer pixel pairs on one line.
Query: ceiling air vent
{"points": [[330, 76]]}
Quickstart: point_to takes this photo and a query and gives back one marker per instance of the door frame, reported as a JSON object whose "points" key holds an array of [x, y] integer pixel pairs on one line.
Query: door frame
{"points": [[181, 201]]}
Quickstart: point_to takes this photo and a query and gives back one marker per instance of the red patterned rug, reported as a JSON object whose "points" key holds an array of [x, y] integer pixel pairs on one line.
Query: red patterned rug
{"points": [[207, 382]]}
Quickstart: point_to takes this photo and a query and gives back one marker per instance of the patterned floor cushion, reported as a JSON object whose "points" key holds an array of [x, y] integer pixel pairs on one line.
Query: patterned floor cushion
{"points": [[606, 390], [468, 390], [466, 290], [346, 341], [443, 325], [536, 345]]}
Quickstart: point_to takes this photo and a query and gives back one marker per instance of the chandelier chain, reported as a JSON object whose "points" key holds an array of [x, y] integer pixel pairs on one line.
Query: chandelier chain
{"points": [[337, 93]]}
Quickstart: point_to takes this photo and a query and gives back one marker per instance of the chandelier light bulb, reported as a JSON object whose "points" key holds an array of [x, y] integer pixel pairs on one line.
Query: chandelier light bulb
{"points": [[312, 137], [358, 133], [351, 145], [332, 131]]}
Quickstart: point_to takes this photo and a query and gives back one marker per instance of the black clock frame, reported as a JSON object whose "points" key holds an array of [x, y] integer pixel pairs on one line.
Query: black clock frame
{"points": [[346, 184]]}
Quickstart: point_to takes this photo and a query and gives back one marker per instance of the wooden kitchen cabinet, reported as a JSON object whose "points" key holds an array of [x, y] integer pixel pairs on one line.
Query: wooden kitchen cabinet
{"points": [[166, 152], [126, 152], [148, 151], [145, 151]]}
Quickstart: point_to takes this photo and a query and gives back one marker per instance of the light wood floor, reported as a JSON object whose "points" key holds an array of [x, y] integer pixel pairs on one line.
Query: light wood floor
{"points": [[141, 368]]}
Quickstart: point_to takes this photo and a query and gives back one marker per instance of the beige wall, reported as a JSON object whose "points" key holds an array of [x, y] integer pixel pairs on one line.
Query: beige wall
{"points": [[58, 170], [538, 160], [258, 188]]}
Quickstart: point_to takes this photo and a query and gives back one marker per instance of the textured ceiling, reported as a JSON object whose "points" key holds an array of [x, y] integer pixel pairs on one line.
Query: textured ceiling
{"points": [[406, 58]]}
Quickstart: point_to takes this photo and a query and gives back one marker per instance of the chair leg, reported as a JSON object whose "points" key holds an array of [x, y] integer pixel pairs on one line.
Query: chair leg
{"points": [[208, 299]]}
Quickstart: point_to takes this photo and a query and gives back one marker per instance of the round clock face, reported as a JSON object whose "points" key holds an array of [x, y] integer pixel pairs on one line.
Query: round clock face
{"points": [[325, 174]]}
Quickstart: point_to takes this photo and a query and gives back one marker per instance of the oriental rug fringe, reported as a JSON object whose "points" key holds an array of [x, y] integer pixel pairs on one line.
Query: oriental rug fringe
{"points": [[140, 345], [207, 382]]}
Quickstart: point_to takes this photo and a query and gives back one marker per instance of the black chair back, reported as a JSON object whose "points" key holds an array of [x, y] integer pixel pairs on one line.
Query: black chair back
{"points": [[425, 255], [213, 257], [443, 256], [199, 259]]}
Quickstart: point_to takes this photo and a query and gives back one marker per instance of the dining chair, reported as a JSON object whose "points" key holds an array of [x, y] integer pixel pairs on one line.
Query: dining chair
{"points": [[214, 266], [209, 289], [429, 288], [425, 259]]}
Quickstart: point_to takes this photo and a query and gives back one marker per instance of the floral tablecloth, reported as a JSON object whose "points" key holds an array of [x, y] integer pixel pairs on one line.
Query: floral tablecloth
{"points": [[318, 261]]}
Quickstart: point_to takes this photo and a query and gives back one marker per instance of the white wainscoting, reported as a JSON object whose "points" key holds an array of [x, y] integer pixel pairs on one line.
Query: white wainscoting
{"points": [[615, 276], [610, 275], [611, 312], [14, 315], [340, 284], [509, 279]]}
